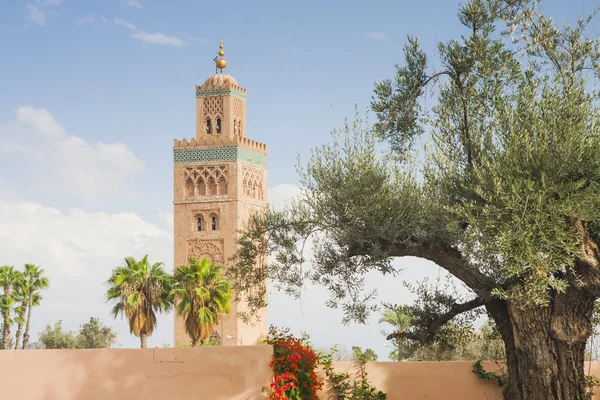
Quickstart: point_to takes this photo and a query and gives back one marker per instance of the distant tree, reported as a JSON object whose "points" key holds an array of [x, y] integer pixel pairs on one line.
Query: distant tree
{"points": [[399, 318], [53, 337], [139, 291], [35, 282], [92, 335], [204, 295], [337, 353], [35, 346], [8, 279], [261, 339], [363, 356], [95, 335]]}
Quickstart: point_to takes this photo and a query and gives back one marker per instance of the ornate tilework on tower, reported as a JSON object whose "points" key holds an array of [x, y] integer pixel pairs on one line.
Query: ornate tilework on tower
{"points": [[235, 153], [220, 179]]}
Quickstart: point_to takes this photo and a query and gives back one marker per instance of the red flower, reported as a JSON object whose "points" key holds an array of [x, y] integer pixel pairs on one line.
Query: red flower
{"points": [[292, 354]]}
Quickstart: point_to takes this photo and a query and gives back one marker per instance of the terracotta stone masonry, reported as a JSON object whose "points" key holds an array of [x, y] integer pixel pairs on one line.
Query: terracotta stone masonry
{"points": [[220, 179]]}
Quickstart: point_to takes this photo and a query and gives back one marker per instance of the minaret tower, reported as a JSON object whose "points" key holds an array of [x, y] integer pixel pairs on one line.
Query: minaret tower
{"points": [[220, 180]]}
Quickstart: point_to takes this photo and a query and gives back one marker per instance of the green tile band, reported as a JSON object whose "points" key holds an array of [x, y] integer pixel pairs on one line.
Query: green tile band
{"points": [[232, 153], [220, 92]]}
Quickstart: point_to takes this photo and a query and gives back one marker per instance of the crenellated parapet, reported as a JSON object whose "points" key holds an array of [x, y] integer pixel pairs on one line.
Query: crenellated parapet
{"points": [[221, 141]]}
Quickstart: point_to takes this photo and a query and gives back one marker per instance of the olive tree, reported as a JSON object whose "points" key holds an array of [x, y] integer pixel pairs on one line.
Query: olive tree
{"points": [[507, 199]]}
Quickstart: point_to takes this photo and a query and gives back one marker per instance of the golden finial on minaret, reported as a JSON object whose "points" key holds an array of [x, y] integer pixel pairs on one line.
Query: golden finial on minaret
{"points": [[221, 63]]}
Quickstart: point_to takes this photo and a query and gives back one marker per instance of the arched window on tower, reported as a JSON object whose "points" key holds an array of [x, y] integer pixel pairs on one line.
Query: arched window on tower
{"points": [[200, 223], [218, 125], [212, 187], [239, 127], [208, 127], [214, 222], [235, 131], [222, 186], [189, 187], [200, 188]]}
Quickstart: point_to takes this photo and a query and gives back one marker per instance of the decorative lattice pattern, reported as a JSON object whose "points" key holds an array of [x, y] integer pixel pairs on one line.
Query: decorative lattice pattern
{"points": [[206, 249], [233, 153], [238, 109], [252, 184], [220, 92], [207, 173], [206, 181], [213, 107]]}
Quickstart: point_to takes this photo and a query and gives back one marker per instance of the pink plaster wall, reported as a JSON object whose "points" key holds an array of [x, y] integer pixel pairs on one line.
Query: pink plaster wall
{"points": [[215, 373], [432, 380], [212, 373]]}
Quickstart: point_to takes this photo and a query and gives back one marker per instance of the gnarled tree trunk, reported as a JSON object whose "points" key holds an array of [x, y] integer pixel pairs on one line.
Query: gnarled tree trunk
{"points": [[545, 347]]}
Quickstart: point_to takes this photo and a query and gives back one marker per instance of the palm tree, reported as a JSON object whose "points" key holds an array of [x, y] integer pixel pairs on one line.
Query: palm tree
{"points": [[139, 290], [8, 277], [400, 319], [204, 296], [22, 289], [36, 281]]}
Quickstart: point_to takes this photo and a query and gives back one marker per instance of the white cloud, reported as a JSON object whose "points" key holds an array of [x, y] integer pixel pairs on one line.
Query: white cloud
{"points": [[281, 195], [128, 25], [104, 20], [85, 20], [158, 38], [41, 120], [133, 3], [378, 35], [37, 145], [35, 15], [151, 38], [78, 250], [166, 217]]}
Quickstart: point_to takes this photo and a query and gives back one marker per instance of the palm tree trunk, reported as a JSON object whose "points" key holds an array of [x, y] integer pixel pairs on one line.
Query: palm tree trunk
{"points": [[28, 325], [143, 339], [6, 317], [194, 342], [20, 324]]}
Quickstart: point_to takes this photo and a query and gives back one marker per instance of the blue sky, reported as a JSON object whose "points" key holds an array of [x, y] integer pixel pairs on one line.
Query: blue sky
{"points": [[93, 93]]}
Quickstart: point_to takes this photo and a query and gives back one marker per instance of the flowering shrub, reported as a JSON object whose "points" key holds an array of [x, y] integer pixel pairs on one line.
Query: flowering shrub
{"points": [[294, 367]]}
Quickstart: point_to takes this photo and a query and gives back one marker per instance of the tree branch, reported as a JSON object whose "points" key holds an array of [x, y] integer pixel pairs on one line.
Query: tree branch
{"points": [[427, 336], [450, 259]]}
